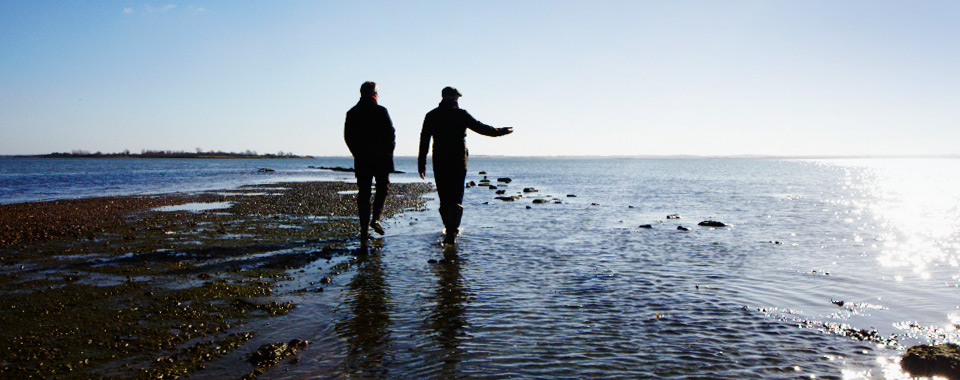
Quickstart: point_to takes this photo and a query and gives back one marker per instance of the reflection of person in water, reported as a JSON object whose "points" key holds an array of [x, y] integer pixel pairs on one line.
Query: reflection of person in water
{"points": [[367, 330], [447, 125], [448, 320]]}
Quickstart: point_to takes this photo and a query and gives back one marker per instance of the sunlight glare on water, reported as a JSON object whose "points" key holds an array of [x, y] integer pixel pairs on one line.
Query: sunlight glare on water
{"points": [[916, 202]]}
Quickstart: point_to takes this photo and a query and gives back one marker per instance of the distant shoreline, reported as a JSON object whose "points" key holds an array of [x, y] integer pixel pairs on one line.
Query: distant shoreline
{"points": [[165, 154]]}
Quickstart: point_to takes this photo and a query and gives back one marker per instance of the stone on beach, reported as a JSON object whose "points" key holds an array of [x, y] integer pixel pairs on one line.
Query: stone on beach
{"points": [[933, 360], [711, 223], [270, 354]]}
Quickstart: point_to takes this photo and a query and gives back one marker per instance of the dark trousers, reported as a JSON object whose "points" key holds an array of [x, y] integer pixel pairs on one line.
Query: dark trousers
{"points": [[363, 196], [450, 190]]}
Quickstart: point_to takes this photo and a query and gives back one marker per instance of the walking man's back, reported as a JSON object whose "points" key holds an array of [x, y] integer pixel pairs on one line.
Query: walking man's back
{"points": [[371, 138], [447, 125]]}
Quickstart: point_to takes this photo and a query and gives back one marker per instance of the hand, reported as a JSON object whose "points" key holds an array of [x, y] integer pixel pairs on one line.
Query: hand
{"points": [[422, 174], [507, 130]]}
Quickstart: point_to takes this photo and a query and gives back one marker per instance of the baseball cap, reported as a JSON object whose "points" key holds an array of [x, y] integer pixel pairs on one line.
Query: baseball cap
{"points": [[450, 91]]}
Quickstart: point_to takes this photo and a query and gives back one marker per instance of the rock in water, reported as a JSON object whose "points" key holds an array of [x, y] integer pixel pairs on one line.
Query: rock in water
{"points": [[939, 360], [673, 216], [530, 190], [711, 223], [270, 354], [645, 226], [682, 228], [501, 192], [504, 180]]}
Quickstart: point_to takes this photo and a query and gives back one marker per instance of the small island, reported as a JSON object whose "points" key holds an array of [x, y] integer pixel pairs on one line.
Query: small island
{"points": [[169, 154]]}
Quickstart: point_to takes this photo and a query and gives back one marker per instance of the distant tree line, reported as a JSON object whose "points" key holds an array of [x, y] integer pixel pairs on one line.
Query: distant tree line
{"points": [[199, 153]]}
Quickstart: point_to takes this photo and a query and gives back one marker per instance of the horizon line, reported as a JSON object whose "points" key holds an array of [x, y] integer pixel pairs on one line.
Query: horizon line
{"points": [[642, 156]]}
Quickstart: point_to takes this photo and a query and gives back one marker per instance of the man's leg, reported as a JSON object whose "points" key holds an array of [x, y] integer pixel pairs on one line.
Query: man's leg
{"points": [[457, 212], [383, 183], [363, 202], [450, 192]]}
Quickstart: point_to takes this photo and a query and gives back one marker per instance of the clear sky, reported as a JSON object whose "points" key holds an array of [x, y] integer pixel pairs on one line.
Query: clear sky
{"points": [[572, 77]]}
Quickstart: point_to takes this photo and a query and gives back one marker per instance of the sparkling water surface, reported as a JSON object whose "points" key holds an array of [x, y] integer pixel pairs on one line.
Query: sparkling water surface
{"points": [[579, 290]]}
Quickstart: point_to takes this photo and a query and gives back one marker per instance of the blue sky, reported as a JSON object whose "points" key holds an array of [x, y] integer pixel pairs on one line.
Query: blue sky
{"points": [[571, 77]]}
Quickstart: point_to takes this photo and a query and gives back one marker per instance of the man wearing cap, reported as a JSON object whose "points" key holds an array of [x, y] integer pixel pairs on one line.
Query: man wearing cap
{"points": [[371, 138], [447, 125]]}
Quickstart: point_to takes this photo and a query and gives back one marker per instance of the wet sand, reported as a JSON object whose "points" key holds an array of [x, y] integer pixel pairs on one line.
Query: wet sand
{"points": [[114, 288]]}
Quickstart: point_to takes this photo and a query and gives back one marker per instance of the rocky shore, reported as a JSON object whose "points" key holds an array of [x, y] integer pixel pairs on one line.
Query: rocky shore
{"points": [[114, 287]]}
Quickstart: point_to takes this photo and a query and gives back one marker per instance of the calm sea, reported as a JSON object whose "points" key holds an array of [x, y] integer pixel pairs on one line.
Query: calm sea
{"points": [[578, 289]]}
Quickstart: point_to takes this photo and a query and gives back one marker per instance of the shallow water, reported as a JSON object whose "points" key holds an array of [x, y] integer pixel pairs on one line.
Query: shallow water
{"points": [[579, 290], [195, 206]]}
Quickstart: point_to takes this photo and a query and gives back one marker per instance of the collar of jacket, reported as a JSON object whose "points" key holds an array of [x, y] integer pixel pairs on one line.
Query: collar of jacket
{"points": [[449, 103], [367, 99]]}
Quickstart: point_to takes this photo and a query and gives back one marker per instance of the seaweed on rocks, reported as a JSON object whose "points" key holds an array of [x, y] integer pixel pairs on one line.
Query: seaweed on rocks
{"points": [[112, 288]]}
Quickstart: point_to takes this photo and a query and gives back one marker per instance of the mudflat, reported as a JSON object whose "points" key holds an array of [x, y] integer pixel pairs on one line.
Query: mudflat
{"points": [[156, 286]]}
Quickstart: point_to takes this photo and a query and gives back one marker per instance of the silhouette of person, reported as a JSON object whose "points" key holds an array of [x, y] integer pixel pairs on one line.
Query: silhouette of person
{"points": [[371, 138], [447, 125]]}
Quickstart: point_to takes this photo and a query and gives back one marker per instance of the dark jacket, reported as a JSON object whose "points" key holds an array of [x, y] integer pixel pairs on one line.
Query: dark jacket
{"points": [[370, 136], [447, 125]]}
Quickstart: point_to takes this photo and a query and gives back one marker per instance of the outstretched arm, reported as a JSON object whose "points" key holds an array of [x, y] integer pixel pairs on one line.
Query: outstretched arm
{"points": [[486, 130]]}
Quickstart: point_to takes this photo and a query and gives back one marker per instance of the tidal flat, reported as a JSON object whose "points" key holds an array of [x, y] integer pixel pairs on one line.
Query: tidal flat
{"points": [[117, 287]]}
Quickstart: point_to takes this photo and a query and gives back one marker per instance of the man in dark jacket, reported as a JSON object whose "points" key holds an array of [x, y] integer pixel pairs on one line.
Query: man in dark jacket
{"points": [[447, 125], [371, 138]]}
